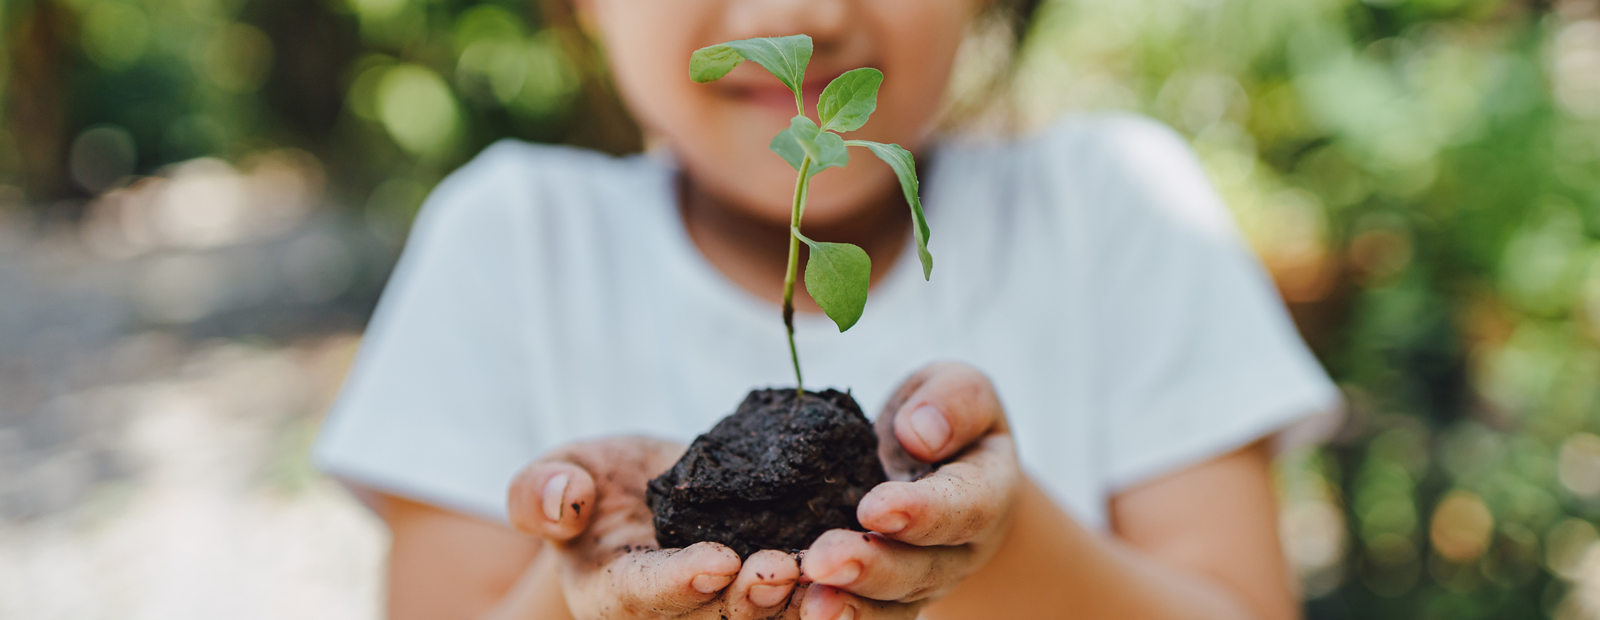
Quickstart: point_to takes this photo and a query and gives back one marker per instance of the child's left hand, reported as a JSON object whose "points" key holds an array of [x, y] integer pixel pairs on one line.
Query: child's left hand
{"points": [[930, 530]]}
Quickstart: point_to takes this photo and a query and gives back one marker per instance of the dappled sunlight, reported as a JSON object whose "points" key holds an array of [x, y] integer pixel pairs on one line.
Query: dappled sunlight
{"points": [[220, 515]]}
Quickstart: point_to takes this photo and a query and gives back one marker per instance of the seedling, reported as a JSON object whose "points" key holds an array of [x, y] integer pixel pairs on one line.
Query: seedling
{"points": [[837, 274], [783, 469]]}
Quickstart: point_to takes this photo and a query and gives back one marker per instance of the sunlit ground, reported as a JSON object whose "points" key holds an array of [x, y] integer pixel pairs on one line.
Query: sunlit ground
{"points": [[163, 369], [220, 515]]}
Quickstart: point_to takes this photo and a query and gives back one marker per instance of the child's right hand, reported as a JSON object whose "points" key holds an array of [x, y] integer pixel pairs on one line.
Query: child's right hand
{"points": [[587, 500]]}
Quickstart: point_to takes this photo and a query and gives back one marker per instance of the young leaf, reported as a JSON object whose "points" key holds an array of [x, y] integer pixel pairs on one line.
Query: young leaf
{"points": [[849, 99], [787, 147], [803, 139], [831, 152], [837, 277], [709, 64], [906, 168], [784, 57]]}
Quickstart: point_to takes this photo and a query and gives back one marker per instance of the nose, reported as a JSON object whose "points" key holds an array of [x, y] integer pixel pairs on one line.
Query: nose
{"points": [[824, 20]]}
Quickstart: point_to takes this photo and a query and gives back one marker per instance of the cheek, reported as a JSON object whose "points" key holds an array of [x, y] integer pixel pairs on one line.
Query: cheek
{"points": [[917, 44], [723, 145], [647, 46]]}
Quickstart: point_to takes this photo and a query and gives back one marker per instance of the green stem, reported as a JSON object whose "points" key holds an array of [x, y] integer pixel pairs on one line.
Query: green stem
{"points": [[795, 212]]}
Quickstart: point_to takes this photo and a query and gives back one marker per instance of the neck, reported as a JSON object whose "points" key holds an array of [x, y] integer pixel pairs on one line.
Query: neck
{"points": [[752, 251]]}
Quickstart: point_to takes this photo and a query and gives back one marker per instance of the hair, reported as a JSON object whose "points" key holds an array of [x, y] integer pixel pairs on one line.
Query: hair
{"points": [[601, 121], [1020, 14]]}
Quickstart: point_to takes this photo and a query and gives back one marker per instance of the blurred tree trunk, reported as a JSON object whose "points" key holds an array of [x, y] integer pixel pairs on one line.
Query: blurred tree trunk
{"points": [[35, 114]]}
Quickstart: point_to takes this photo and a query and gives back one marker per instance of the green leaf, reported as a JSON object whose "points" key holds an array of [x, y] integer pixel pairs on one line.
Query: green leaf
{"points": [[803, 139], [709, 64], [831, 152], [906, 168], [784, 57], [849, 99], [837, 277], [787, 147]]}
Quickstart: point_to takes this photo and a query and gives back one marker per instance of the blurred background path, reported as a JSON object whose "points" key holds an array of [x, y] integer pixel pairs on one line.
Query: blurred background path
{"points": [[162, 372]]}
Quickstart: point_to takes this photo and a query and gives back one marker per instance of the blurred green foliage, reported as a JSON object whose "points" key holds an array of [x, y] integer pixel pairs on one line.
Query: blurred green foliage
{"points": [[388, 94], [1422, 177]]}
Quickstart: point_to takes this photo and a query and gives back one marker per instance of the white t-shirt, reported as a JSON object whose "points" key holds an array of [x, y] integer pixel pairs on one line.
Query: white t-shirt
{"points": [[549, 294]]}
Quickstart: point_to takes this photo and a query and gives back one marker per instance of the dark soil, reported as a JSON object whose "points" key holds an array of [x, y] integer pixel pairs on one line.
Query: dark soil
{"points": [[771, 476]]}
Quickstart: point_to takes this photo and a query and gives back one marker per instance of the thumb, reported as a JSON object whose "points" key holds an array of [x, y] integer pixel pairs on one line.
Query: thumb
{"points": [[935, 415], [553, 499]]}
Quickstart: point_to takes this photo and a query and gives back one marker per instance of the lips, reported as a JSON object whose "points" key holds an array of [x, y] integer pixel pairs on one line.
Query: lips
{"points": [[770, 93]]}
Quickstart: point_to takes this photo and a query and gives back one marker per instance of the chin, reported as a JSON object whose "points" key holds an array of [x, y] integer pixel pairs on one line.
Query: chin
{"points": [[837, 195], [826, 210], [764, 189]]}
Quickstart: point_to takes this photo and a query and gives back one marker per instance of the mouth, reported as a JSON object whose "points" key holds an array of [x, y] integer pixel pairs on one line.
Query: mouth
{"points": [[771, 94]]}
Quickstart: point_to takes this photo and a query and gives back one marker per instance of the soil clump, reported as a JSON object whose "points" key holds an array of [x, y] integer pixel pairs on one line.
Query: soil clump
{"points": [[774, 475]]}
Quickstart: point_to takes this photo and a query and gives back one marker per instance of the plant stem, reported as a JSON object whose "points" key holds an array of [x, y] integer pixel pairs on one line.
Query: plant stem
{"points": [[795, 212]]}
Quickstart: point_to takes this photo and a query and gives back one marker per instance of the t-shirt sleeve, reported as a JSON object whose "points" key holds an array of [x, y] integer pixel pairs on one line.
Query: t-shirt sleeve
{"points": [[435, 407], [1198, 355]]}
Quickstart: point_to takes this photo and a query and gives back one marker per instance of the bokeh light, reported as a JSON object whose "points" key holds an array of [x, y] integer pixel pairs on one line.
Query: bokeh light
{"points": [[418, 110]]}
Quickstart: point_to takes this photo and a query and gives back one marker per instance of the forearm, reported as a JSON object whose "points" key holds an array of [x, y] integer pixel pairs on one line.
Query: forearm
{"points": [[536, 594], [1050, 566]]}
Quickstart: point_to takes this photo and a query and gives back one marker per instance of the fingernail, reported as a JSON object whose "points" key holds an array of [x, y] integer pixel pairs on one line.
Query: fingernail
{"points": [[554, 491], [845, 576], [893, 522], [706, 584], [849, 613], [767, 596], [931, 427]]}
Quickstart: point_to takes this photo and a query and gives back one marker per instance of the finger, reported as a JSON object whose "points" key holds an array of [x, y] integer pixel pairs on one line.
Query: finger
{"points": [[673, 581], [552, 499], [828, 603], [878, 568], [764, 584], [940, 410], [963, 501]]}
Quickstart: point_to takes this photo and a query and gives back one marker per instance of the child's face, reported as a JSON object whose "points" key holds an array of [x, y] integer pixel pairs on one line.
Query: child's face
{"points": [[719, 131]]}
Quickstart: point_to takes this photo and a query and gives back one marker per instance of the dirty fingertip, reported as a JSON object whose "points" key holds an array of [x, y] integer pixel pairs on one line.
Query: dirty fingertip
{"points": [[881, 514], [554, 494], [542, 499], [763, 595], [825, 603], [772, 567], [712, 558], [888, 507], [710, 583], [929, 429]]}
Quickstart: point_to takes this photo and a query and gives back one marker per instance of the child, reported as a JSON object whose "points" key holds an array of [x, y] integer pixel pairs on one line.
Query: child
{"points": [[596, 313]]}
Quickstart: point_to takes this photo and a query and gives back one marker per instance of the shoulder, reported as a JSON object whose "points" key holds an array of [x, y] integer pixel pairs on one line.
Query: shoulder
{"points": [[1102, 134], [1113, 148], [518, 158], [527, 184], [1130, 169], [1080, 152], [516, 169]]}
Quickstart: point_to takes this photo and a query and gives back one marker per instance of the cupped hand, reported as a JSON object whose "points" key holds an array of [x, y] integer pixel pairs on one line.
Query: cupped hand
{"points": [[587, 500], [954, 484]]}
